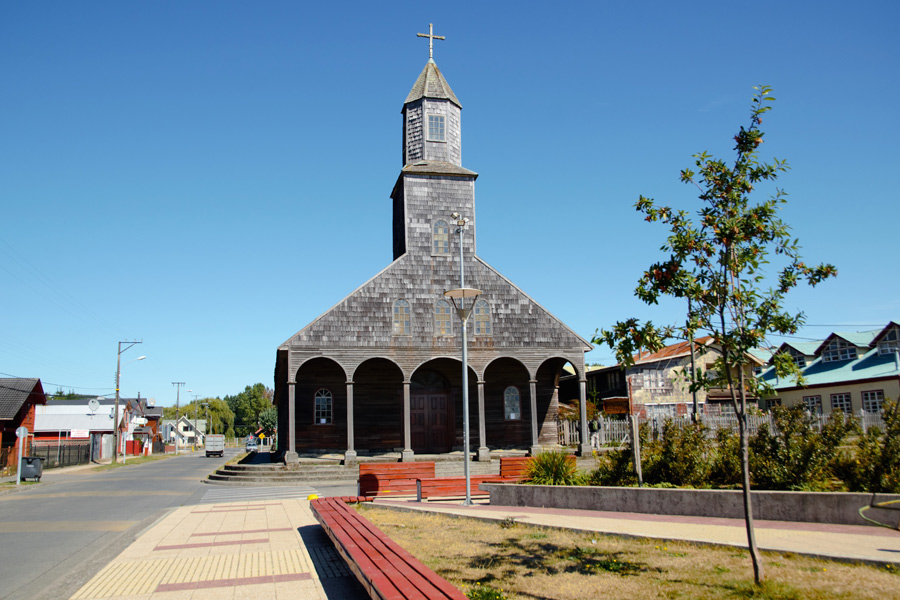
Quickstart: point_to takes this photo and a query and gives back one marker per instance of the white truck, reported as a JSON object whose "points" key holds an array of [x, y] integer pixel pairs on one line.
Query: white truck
{"points": [[215, 444]]}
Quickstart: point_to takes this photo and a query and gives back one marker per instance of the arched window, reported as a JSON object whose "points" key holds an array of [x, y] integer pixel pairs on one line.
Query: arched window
{"points": [[441, 238], [401, 317], [442, 318], [482, 318], [512, 405], [323, 411]]}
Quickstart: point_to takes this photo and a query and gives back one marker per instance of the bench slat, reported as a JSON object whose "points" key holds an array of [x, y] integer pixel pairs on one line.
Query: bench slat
{"points": [[386, 570]]}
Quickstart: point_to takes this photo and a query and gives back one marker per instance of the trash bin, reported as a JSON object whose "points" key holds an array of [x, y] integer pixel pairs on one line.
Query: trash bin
{"points": [[32, 466]]}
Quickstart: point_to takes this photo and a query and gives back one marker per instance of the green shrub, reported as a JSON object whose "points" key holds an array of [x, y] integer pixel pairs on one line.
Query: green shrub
{"points": [[616, 468], [795, 456], [876, 468], [553, 467], [725, 470], [682, 456]]}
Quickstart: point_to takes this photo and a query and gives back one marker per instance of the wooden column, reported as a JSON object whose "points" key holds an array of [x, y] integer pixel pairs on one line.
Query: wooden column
{"points": [[408, 455], [484, 455], [291, 455], [535, 444], [350, 454]]}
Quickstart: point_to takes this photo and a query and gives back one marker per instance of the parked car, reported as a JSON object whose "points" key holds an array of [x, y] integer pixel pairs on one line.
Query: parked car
{"points": [[251, 446]]}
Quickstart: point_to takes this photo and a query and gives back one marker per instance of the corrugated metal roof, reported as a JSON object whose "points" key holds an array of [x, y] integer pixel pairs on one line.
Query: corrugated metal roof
{"points": [[14, 391], [673, 351], [431, 84]]}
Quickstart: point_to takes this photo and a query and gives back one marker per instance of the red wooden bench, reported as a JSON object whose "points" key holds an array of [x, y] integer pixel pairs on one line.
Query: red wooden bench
{"points": [[514, 467], [453, 487], [392, 479], [386, 571]]}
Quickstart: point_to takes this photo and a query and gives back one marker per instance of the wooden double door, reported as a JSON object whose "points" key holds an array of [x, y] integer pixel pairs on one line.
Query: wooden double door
{"points": [[430, 420]]}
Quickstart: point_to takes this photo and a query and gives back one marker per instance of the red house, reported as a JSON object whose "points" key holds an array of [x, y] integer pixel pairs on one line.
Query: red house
{"points": [[18, 397]]}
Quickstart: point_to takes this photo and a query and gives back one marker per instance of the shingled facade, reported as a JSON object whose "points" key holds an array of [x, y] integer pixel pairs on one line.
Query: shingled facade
{"points": [[381, 370]]}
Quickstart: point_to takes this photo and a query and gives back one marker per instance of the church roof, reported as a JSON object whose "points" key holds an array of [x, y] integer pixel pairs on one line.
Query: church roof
{"points": [[437, 167], [431, 84]]}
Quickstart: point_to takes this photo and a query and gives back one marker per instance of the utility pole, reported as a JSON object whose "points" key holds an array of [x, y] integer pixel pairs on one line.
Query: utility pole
{"points": [[196, 432], [118, 377], [177, 385]]}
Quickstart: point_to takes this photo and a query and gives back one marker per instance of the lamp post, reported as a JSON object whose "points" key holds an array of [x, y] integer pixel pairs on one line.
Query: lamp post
{"points": [[118, 377], [195, 418], [177, 385], [461, 294]]}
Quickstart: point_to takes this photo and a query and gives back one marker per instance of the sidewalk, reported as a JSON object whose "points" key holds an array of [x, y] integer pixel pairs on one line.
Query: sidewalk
{"points": [[258, 549], [275, 548]]}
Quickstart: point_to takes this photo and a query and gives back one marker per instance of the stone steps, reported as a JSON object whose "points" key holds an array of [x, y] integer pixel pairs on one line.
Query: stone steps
{"points": [[279, 474]]}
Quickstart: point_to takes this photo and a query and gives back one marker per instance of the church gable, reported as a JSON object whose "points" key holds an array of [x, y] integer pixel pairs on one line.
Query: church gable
{"points": [[365, 318]]}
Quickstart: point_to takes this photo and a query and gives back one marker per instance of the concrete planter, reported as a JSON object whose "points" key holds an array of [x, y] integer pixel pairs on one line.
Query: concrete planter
{"points": [[811, 507]]}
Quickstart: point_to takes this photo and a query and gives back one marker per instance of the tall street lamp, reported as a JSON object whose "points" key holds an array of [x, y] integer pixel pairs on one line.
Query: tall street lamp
{"points": [[177, 385], [461, 294], [118, 377]]}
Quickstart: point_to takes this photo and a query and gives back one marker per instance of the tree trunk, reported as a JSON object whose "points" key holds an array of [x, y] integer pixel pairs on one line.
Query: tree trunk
{"points": [[741, 410]]}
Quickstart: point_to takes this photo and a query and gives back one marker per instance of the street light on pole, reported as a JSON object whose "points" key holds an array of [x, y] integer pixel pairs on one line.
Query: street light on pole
{"points": [[461, 294], [177, 385], [118, 377]]}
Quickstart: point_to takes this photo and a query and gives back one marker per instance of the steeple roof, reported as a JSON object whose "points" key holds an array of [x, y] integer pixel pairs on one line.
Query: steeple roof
{"points": [[431, 84]]}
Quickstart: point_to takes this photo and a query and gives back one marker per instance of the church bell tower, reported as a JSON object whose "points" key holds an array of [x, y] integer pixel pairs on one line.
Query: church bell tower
{"points": [[432, 184]]}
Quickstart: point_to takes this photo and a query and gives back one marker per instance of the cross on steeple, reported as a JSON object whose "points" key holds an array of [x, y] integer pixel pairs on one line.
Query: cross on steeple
{"points": [[431, 37]]}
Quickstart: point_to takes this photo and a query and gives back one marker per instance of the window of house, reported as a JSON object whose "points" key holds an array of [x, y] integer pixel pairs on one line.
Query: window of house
{"points": [[873, 401], [813, 404], [890, 343], [773, 402], [482, 318], [435, 128], [401, 318], [323, 411], [798, 357], [842, 403], [838, 350], [512, 404], [442, 318], [441, 238], [653, 379]]}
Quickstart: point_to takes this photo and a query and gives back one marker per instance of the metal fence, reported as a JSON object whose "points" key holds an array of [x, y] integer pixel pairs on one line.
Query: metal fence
{"points": [[62, 455], [614, 432]]}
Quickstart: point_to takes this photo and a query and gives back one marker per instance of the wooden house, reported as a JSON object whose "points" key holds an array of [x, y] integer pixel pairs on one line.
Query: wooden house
{"points": [[18, 397], [381, 370]]}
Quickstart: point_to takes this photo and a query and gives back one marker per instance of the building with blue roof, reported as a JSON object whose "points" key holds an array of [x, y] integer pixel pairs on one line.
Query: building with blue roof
{"points": [[852, 372]]}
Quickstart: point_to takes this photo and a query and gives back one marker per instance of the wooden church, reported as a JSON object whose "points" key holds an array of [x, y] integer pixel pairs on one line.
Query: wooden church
{"points": [[381, 371]]}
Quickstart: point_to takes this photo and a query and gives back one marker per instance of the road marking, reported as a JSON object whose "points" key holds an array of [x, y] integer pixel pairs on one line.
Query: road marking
{"points": [[54, 526], [229, 494]]}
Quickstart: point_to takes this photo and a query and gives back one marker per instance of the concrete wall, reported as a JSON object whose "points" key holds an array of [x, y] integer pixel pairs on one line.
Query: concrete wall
{"points": [[810, 507]]}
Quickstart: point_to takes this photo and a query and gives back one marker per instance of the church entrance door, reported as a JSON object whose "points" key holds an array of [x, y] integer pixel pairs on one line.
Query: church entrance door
{"points": [[429, 405]]}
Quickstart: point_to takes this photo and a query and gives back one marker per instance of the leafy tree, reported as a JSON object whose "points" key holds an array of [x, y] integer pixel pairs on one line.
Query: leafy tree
{"points": [[247, 406], [220, 417], [718, 265], [268, 420]]}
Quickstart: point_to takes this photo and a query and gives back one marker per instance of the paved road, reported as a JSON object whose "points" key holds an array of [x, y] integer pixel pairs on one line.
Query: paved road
{"points": [[56, 535]]}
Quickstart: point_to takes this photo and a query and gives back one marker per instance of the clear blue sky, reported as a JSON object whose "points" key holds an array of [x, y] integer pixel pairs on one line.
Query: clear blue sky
{"points": [[209, 177]]}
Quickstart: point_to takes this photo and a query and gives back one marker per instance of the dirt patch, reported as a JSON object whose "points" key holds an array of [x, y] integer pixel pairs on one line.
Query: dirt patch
{"points": [[533, 563]]}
